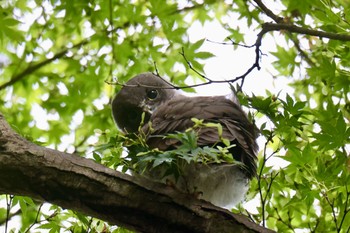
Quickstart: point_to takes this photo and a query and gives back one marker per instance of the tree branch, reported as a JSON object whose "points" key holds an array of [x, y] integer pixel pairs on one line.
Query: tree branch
{"points": [[280, 20], [305, 31], [268, 12], [281, 25], [82, 185], [266, 27], [32, 68]]}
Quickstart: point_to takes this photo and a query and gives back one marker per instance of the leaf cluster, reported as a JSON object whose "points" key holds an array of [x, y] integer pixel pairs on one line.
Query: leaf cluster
{"points": [[138, 157]]}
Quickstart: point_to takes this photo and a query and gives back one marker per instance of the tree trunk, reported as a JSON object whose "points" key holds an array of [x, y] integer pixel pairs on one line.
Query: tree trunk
{"points": [[82, 185]]}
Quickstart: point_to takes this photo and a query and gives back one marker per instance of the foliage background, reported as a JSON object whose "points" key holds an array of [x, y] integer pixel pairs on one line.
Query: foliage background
{"points": [[58, 58]]}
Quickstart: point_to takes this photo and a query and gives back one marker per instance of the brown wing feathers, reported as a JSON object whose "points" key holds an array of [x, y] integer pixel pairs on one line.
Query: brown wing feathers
{"points": [[175, 116]]}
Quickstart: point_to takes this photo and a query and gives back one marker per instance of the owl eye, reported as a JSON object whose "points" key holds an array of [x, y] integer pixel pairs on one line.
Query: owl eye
{"points": [[152, 94]]}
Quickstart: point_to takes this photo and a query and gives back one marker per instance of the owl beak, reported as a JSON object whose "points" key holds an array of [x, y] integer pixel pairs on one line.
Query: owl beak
{"points": [[146, 107]]}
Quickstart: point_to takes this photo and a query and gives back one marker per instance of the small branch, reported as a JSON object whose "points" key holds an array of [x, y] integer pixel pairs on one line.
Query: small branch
{"points": [[188, 8], [331, 204], [301, 51], [260, 175], [314, 228], [36, 219], [346, 207], [280, 20], [156, 69], [305, 31], [171, 86], [32, 68], [192, 68], [268, 12], [281, 25], [9, 199], [11, 215], [288, 224], [231, 43], [112, 41]]}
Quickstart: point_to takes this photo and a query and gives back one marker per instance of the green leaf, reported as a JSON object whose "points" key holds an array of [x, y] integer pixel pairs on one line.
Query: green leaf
{"points": [[204, 55], [197, 44]]}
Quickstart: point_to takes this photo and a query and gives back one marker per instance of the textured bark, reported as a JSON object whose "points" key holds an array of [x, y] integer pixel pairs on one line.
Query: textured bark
{"points": [[82, 185]]}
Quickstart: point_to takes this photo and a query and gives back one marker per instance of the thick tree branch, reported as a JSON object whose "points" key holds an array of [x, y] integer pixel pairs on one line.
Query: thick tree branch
{"points": [[82, 185]]}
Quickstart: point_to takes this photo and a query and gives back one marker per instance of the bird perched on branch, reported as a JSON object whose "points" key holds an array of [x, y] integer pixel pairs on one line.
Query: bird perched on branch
{"points": [[167, 111]]}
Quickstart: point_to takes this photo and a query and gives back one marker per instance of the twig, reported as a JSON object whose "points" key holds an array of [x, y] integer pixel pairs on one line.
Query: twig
{"points": [[238, 44], [232, 43], [346, 207], [11, 215], [191, 67], [172, 86], [262, 197], [112, 37], [188, 8], [36, 218], [314, 227], [156, 69], [331, 204], [9, 199], [301, 51], [288, 224]]}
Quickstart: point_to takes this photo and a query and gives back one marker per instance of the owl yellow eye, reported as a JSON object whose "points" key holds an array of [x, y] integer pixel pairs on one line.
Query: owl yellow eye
{"points": [[152, 94]]}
